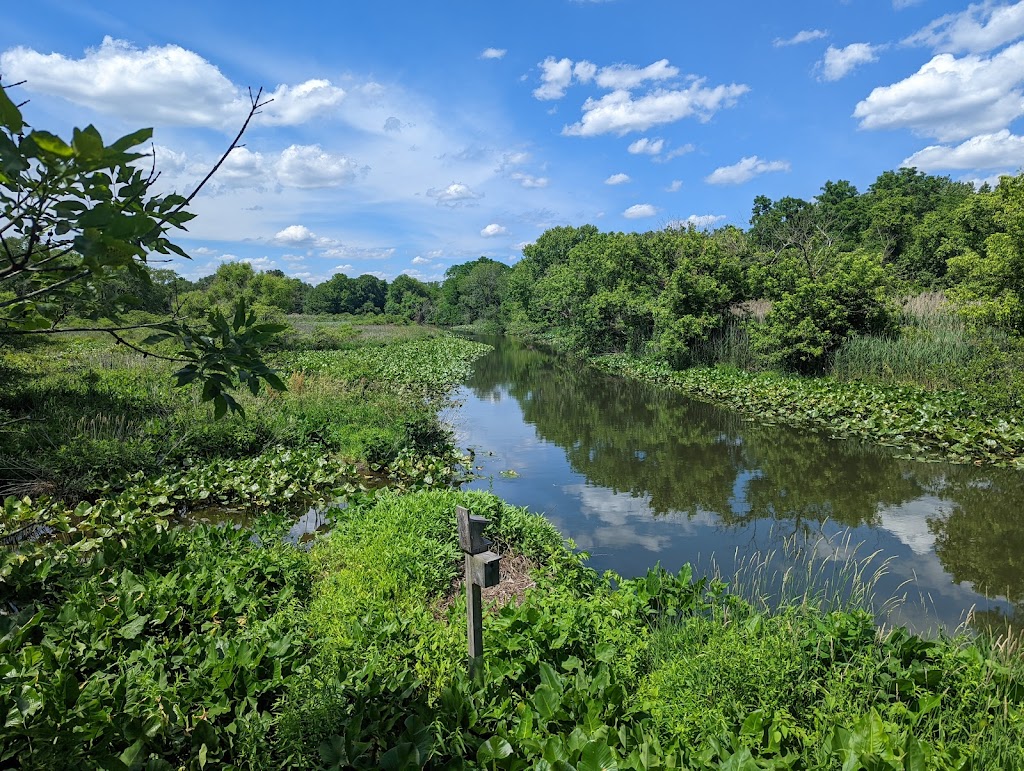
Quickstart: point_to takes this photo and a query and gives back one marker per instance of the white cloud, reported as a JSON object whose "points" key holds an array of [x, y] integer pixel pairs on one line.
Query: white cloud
{"points": [[240, 167], [493, 53], [617, 179], [293, 105], [259, 263], [640, 210], [646, 146], [494, 229], [803, 36], [840, 62], [346, 268], [1000, 150], [675, 187], [744, 170], [309, 166], [556, 74], [681, 150], [529, 181], [348, 252], [950, 98], [167, 85], [584, 71], [454, 195], [299, 236], [702, 221], [899, 5], [627, 76], [417, 260], [979, 28], [619, 113]]}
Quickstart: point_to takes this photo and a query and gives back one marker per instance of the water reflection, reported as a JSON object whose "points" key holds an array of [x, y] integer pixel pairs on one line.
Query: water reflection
{"points": [[637, 474]]}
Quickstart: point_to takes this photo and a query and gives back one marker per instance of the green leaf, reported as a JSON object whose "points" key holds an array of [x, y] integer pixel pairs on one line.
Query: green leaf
{"points": [[605, 652], [87, 142], [131, 140], [493, 749], [51, 143], [546, 701], [133, 628], [333, 752], [10, 115], [597, 756], [131, 755]]}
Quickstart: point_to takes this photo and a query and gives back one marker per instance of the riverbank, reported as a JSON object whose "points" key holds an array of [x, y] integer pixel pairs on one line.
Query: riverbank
{"points": [[135, 645], [130, 638], [925, 425]]}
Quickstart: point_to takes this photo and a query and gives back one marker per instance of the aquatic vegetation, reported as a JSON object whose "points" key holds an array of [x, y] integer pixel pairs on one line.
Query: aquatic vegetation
{"points": [[923, 424]]}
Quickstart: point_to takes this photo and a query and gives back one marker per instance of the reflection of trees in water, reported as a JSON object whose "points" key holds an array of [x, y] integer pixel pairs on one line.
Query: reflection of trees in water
{"points": [[689, 456], [981, 539]]}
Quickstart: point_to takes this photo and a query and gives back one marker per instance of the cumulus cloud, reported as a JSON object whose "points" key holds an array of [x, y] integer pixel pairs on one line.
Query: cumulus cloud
{"points": [[1000, 150], [494, 229], [701, 221], [299, 236], [617, 179], [979, 28], [681, 150], [840, 62], [636, 211], [168, 85], [950, 98], [242, 166], [803, 36], [744, 170], [309, 166], [675, 187], [627, 76], [417, 260], [619, 113], [493, 53], [350, 252], [555, 77], [259, 263], [646, 146], [528, 181], [293, 105], [456, 194]]}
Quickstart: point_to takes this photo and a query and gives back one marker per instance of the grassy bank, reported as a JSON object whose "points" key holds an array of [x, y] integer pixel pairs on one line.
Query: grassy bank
{"points": [[925, 424], [134, 645], [130, 639], [81, 414]]}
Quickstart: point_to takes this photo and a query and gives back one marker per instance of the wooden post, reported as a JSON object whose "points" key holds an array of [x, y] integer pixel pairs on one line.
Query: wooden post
{"points": [[481, 570]]}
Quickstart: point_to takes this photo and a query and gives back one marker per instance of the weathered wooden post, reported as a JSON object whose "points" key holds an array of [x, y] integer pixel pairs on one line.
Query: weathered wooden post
{"points": [[482, 569]]}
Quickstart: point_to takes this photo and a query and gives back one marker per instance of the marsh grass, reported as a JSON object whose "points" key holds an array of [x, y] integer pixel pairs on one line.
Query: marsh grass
{"points": [[933, 349], [799, 634], [729, 344], [827, 573]]}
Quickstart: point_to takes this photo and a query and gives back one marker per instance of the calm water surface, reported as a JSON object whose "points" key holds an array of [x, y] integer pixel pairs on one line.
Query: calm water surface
{"points": [[638, 475]]}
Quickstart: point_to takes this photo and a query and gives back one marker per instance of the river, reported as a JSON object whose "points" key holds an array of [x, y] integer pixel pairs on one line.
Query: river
{"points": [[638, 475]]}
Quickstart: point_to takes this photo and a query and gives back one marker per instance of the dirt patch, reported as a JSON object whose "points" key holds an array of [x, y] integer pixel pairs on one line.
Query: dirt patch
{"points": [[514, 572]]}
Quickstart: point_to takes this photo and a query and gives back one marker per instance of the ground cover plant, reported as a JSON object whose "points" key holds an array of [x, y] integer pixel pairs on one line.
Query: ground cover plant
{"points": [[137, 645], [925, 424], [82, 414]]}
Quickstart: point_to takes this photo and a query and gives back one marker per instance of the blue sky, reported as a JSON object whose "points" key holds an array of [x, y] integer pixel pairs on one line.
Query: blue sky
{"points": [[405, 137]]}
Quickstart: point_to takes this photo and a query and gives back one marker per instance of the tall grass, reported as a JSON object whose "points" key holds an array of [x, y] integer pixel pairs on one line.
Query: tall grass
{"points": [[933, 349], [798, 638], [729, 344]]}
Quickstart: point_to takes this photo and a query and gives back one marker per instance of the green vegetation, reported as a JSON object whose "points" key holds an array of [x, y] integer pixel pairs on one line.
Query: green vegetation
{"points": [[909, 290], [927, 424], [137, 645]]}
